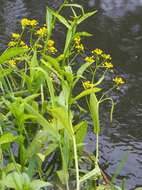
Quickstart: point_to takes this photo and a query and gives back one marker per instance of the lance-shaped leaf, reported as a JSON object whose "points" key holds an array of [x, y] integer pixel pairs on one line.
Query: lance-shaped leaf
{"points": [[11, 52], [85, 16], [94, 109], [85, 93]]}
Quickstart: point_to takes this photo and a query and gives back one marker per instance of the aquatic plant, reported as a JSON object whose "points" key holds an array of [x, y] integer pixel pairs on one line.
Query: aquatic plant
{"points": [[42, 86]]}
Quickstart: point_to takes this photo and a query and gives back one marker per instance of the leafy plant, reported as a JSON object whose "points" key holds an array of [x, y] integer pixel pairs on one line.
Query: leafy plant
{"points": [[39, 103]]}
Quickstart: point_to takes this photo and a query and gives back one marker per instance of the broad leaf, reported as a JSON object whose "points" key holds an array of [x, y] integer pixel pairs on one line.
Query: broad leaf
{"points": [[11, 52], [7, 138], [38, 184], [80, 131]]}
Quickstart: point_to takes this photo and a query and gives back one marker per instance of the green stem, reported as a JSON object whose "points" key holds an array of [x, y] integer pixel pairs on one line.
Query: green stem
{"points": [[42, 98], [14, 162], [76, 163], [97, 149]]}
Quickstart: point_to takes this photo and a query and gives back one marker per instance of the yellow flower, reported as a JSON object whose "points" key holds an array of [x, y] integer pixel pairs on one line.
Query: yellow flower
{"points": [[12, 44], [50, 43], [25, 22], [50, 46], [41, 31], [88, 84], [12, 62], [106, 56], [108, 65], [52, 49], [89, 59], [15, 35], [22, 43], [97, 51], [77, 40], [33, 22], [79, 47], [118, 81], [25, 47]]}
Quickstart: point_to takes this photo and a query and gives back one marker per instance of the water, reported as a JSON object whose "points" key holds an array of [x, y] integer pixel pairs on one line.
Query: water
{"points": [[118, 30]]}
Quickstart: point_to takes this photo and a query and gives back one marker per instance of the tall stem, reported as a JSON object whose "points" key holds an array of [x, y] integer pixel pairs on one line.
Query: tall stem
{"points": [[76, 164], [97, 148]]}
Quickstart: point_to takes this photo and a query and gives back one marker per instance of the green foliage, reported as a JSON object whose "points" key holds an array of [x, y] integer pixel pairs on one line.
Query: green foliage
{"points": [[39, 106]]}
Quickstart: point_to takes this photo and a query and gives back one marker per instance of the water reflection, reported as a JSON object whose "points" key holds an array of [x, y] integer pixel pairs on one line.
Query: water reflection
{"points": [[118, 30]]}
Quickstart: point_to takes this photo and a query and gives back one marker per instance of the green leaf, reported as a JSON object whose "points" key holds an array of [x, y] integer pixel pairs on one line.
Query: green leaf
{"points": [[85, 16], [69, 74], [49, 83], [95, 173], [53, 62], [99, 81], [42, 121], [35, 146], [61, 175], [51, 148], [34, 61], [74, 5], [69, 36], [60, 18], [85, 34], [4, 72], [85, 93], [81, 70], [7, 138], [80, 132], [108, 187], [49, 21], [17, 181], [61, 115], [11, 52], [94, 109], [38, 184]]}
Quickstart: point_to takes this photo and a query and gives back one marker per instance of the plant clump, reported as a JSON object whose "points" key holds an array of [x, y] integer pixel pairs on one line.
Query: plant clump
{"points": [[41, 138]]}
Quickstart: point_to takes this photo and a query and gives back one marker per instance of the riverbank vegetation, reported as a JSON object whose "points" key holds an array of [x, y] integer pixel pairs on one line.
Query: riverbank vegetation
{"points": [[46, 90]]}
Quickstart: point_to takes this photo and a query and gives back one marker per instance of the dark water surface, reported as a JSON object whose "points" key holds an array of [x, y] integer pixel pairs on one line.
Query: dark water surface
{"points": [[118, 30]]}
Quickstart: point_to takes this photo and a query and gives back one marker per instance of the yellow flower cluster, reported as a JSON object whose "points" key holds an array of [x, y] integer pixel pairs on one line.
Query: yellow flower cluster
{"points": [[108, 65], [23, 44], [89, 59], [78, 45], [12, 44], [50, 47], [97, 51], [118, 81], [27, 22], [12, 62], [41, 32], [106, 56], [51, 43], [88, 84], [15, 35]]}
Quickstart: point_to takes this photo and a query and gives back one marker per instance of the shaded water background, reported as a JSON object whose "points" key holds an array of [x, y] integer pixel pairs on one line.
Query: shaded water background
{"points": [[118, 30]]}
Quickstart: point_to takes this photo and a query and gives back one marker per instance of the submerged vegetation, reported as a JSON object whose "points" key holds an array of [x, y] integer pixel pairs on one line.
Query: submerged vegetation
{"points": [[42, 130]]}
